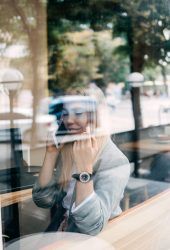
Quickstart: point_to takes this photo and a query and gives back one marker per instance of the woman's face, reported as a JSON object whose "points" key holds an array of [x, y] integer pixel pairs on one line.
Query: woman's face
{"points": [[75, 117]]}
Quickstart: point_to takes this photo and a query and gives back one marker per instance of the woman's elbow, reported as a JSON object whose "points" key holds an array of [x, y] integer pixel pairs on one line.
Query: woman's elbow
{"points": [[96, 230], [93, 228], [43, 202]]}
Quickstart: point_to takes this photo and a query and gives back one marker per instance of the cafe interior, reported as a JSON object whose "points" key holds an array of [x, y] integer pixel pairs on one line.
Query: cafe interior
{"points": [[44, 50]]}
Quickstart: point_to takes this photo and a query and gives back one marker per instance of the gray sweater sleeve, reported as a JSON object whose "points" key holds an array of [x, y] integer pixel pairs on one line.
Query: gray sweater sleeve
{"points": [[51, 194], [109, 184], [47, 196]]}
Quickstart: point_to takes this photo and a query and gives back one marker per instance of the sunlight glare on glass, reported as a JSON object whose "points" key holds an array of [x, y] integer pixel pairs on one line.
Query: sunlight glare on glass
{"points": [[60, 240], [16, 51]]}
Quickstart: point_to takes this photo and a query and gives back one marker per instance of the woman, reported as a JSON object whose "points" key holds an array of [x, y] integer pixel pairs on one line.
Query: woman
{"points": [[82, 178]]}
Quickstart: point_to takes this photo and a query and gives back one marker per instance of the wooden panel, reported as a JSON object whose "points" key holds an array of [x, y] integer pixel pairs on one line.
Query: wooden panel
{"points": [[145, 227], [15, 197], [147, 144]]}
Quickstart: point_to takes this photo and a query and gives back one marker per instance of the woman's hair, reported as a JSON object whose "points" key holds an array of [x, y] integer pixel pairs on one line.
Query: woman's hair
{"points": [[95, 123]]}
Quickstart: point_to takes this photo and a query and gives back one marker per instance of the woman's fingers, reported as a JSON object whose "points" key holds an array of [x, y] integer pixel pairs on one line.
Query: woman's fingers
{"points": [[88, 142], [94, 142], [50, 144], [50, 140], [84, 153]]}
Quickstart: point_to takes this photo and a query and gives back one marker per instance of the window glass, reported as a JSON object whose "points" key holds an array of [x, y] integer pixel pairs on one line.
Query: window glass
{"points": [[74, 72]]}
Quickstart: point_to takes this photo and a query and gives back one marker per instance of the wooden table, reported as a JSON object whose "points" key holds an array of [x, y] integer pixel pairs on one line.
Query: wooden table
{"points": [[15, 197], [144, 227], [12, 217], [143, 149], [148, 145]]}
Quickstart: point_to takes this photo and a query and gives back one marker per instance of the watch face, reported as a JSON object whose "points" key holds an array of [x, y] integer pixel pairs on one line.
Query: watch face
{"points": [[84, 177]]}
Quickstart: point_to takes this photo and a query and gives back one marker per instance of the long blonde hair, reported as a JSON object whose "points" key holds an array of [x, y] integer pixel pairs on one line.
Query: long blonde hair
{"points": [[67, 160]]}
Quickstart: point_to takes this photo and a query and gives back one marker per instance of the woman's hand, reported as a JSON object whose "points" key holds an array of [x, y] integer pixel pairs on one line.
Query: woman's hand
{"points": [[50, 144], [84, 153], [49, 163]]}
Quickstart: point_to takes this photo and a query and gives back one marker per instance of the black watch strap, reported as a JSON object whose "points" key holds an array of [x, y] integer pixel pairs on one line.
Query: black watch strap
{"points": [[83, 177]]}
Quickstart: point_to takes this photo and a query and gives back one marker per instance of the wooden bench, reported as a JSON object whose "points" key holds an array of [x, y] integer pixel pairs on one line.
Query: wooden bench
{"points": [[144, 227], [15, 197]]}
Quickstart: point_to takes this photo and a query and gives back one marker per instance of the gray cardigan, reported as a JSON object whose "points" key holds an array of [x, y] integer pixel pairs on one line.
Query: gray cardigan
{"points": [[111, 174]]}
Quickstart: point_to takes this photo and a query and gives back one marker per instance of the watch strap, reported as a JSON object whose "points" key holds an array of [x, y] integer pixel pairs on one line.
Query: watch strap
{"points": [[79, 177]]}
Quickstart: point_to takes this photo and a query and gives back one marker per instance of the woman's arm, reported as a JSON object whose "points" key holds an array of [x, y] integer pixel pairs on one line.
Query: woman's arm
{"points": [[46, 191], [94, 215], [46, 172], [84, 153], [109, 184]]}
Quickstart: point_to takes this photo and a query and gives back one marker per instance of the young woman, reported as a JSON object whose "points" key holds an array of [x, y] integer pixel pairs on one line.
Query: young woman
{"points": [[84, 177]]}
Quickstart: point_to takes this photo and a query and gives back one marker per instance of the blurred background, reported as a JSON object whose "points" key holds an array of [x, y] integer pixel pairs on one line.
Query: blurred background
{"points": [[47, 47], [61, 44]]}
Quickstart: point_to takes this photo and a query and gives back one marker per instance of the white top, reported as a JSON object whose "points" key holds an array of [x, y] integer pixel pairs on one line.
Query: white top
{"points": [[67, 199]]}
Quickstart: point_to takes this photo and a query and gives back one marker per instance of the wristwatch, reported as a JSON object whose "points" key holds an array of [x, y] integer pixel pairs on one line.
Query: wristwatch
{"points": [[83, 177]]}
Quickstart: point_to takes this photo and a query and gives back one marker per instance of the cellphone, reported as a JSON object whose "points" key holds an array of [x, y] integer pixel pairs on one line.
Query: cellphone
{"points": [[60, 138]]}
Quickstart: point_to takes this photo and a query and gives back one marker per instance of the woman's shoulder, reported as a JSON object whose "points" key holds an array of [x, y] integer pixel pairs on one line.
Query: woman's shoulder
{"points": [[111, 156], [111, 150]]}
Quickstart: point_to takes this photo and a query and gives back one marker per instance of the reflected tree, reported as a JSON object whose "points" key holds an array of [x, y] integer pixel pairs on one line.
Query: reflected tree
{"points": [[25, 22]]}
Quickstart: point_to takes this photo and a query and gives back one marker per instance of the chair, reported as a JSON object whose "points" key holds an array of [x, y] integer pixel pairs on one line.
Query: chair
{"points": [[136, 187], [160, 167]]}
